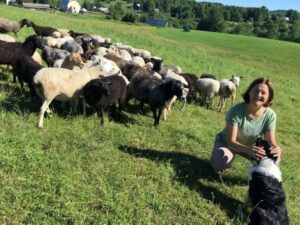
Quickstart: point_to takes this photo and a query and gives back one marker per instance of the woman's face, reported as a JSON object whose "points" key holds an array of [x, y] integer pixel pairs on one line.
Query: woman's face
{"points": [[259, 95]]}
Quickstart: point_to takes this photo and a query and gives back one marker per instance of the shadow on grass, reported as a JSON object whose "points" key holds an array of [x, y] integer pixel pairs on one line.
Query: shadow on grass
{"points": [[189, 169], [22, 103]]}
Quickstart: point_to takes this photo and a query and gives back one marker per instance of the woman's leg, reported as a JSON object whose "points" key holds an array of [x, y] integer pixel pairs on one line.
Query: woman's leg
{"points": [[221, 157]]}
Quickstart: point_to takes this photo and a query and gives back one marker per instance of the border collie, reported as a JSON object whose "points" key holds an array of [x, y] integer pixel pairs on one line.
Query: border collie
{"points": [[266, 193]]}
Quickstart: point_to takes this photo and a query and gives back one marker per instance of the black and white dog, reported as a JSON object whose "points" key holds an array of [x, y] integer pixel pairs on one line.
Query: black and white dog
{"points": [[266, 193]]}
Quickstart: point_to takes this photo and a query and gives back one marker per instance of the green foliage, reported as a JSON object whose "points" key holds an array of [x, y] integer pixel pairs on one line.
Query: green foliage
{"points": [[243, 28], [76, 172], [214, 22], [117, 11], [129, 17]]}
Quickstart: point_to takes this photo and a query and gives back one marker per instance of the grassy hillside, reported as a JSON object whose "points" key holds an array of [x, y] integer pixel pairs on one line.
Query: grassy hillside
{"points": [[75, 172]]}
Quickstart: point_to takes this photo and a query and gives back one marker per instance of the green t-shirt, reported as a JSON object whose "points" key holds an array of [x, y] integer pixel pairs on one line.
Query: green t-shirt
{"points": [[249, 128]]}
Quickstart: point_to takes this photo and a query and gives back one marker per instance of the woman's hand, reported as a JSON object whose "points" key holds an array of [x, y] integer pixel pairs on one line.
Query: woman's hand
{"points": [[256, 152], [276, 151]]}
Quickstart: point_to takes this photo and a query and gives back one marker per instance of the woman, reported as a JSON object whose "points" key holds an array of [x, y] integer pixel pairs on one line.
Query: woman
{"points": [[244, 123]]}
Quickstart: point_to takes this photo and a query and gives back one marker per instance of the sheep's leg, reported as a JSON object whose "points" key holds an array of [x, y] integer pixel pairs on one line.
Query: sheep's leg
{"points": [[183, 104], [122, 102], [32, 90], [14, 78], [165, 113], [232, 100], [113, 110], [222, 103], [142, 107], [84, 106], [154, 116], [74, 105], [44, 108], [100, 113], [159, 115]]}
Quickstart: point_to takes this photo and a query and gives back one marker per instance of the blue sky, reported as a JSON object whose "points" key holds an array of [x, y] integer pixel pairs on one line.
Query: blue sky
{"points": [[270, 4]]}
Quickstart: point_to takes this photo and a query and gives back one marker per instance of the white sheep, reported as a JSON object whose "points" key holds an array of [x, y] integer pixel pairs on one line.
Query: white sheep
{"points": [[228, 89], [100, 40], [208, 89], [10, 26], [61, 41], [7, 38], [170, 75], [140, 61], [63, 85], [37, 57], [124, 54], [141, 52], [108, 67], [63, 32]]}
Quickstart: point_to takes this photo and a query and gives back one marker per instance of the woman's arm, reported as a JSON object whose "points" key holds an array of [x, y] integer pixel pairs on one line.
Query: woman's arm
{"points": [[250, 151], [271, 139]]}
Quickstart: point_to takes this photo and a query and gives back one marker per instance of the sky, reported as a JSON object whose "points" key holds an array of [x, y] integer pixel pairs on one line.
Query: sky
{"points": [[270, 4]]}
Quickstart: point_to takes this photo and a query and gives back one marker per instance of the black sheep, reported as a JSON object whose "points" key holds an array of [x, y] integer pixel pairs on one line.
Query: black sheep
{"points": [[40, 30], [101, 93], [74, 34], [154, 92], [11, 51], [157, 63], [191, 80], [25, 68], [207, 75], [131, 69]]}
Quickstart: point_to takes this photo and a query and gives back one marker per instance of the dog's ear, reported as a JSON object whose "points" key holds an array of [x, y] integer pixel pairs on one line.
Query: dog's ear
{"points": [[266, 146]]}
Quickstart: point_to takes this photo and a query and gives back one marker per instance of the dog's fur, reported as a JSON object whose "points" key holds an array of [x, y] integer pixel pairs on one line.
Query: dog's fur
{"points": [[266, 193]]}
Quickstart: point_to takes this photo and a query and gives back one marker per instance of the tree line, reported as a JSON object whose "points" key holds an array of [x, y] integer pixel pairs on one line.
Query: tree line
{"points": [[216, 17]]}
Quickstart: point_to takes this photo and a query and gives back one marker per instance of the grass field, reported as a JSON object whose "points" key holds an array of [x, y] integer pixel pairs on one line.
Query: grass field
{"points": [[75, 172]]}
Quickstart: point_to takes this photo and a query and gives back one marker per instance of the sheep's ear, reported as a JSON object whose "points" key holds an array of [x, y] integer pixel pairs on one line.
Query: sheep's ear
{"points": [[109, 83], [241, 77]]}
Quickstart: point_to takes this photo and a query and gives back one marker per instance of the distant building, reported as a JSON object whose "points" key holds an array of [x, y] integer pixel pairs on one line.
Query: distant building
{"points": [[157, 22], [70, 6], [104, 10]]}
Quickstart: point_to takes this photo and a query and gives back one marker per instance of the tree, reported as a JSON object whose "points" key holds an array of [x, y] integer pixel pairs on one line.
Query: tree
{"points": [[271, 29], [129, 17], [283, 28], [117, 11], [294, 31], [149, 6], [293, 15], [214, 22]]}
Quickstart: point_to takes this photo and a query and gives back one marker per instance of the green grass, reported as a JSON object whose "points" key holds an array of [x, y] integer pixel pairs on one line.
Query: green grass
{"points": [[75, 172]]}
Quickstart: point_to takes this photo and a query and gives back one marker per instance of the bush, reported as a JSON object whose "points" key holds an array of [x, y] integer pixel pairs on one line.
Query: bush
{"points": [[129, 17]]}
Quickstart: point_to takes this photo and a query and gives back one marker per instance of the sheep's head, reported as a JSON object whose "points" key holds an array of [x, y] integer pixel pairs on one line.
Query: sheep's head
{"points": [[23, 22], [72, 33], [76, 59], [157, 63], [26, 22], [235, 80], [179, 90]]}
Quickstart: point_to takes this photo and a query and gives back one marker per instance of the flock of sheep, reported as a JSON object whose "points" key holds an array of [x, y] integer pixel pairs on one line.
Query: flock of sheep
{"points": [[102, 73]]}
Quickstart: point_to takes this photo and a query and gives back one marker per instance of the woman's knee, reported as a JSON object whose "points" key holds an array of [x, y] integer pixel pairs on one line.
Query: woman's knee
{"points": [[221, 158]]}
